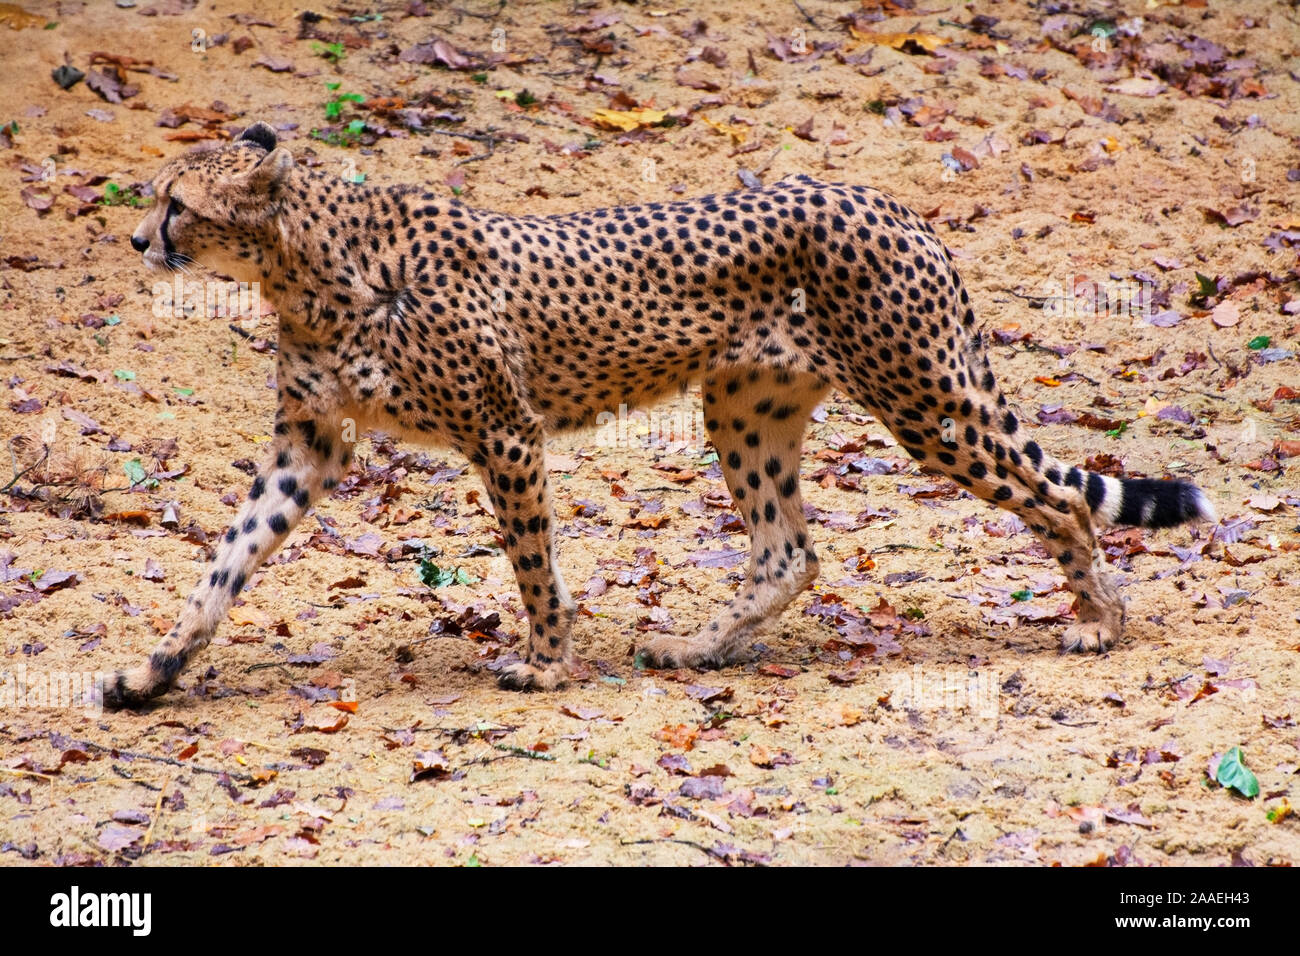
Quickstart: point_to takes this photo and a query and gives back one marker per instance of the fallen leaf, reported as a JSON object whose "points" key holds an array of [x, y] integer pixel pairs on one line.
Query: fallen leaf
{"points": [[914, 43], [1226, 314], [627, 120]]}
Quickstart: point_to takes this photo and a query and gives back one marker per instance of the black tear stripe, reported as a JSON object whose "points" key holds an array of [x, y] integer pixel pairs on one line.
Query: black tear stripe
{"points": [[168, 249], [170, 256]]}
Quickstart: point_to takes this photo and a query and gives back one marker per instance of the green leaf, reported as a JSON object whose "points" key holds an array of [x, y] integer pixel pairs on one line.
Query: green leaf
{"points": [[124, 375], [1258, 342], [135, 472], [115, 195], [1208, 286], [187, 392], [333, 86], [1232, 774], [1022, 595], [436, 577], [357, 127]]}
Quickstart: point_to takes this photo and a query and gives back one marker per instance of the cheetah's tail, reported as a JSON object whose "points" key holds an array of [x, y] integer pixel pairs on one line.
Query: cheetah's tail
{"points": [[1143, 502]]}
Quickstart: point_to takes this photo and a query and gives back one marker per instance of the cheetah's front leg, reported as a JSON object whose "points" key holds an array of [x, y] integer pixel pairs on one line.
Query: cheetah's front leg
{"points": [[513, 468], [305, 459]]}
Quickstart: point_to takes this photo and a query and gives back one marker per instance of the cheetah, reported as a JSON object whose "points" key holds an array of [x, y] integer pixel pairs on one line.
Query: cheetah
{"points": [[484, 332]]}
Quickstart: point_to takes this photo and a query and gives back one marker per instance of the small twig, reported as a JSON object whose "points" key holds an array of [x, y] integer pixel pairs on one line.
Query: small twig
{"points": [[1035, 347], [492, 148], [1209, 347], [476, 137], [522, 752], [170, 761], [258, 667], [451, 731], [1031, 298], [540, 122], [662, 488], [28, 773], [806, 15], [1169, 683], [17, 358], [691, 843], [761, 169], [320, 520], [413, 730], [157, 811], [902, 547], [14, 480]]}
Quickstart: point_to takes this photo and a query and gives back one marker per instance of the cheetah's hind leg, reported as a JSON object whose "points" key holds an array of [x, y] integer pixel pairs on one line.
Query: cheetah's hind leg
{"points": [[756, 420]]}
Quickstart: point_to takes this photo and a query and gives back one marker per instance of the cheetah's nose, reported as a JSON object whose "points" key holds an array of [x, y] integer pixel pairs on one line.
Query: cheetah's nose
{"points": [[138, 244]]}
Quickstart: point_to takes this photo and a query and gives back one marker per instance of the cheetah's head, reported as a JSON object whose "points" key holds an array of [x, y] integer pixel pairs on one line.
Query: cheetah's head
{"points": [[212, 204]]}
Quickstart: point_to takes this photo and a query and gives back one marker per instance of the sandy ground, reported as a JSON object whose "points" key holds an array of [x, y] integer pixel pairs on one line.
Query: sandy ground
{"points": [[912, 706]]}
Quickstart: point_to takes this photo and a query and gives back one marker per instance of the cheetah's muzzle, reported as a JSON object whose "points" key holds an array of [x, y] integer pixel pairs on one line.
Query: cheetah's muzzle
{"points": [[484, 332]]}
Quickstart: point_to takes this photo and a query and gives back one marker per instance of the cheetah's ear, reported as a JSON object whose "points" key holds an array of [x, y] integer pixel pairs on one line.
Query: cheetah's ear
{"points": [[260, 134], [272, 168]]}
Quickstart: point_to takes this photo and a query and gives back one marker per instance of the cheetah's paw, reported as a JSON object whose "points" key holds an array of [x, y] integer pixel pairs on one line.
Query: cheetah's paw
{"points": [[666, 651], [1095, 636], [136, 689], [524, 676]]}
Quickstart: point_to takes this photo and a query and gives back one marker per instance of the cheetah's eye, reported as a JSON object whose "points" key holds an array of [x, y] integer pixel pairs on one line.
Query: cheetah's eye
{"points": [[176, 208]]}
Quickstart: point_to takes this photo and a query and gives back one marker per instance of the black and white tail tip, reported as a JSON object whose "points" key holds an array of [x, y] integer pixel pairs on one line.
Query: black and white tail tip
{"points": [[1147, 502]]}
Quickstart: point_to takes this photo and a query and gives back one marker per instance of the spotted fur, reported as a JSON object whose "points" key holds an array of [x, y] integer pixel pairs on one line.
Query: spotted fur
{"points": [[485, 332]]}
